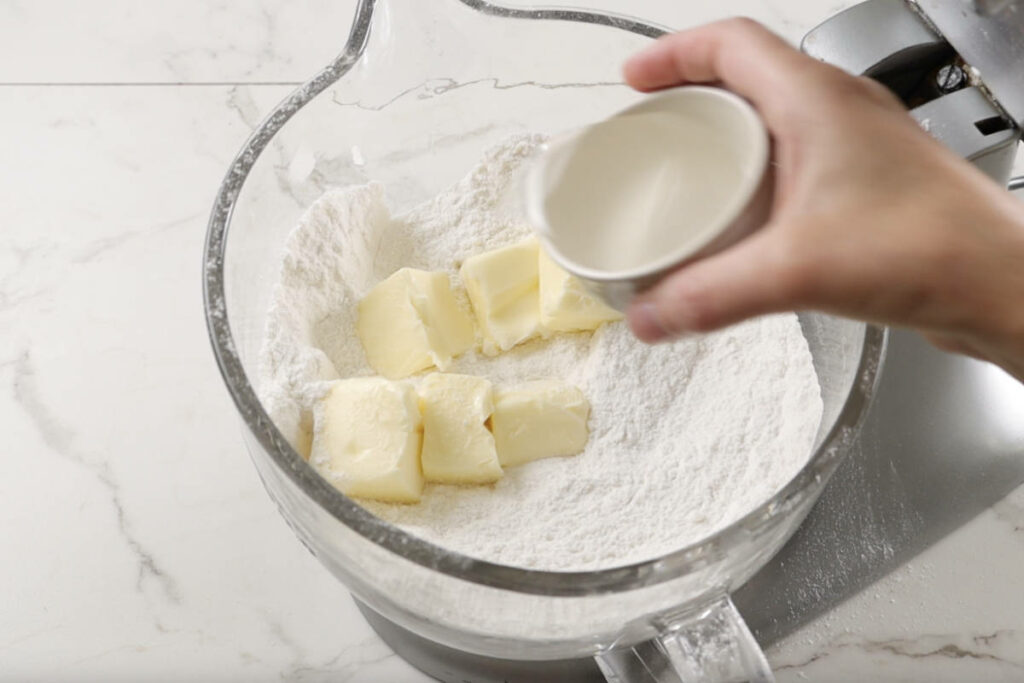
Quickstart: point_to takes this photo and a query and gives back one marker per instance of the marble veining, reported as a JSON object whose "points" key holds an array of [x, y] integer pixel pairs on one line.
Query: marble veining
{"points": [[259, 42], [137, 541], [440, 86], [62, 441], [356, 661], [98, 247], [948, 646]]}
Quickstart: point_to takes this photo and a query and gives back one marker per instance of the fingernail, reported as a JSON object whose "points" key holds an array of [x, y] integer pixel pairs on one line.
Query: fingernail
{"points": [[645, 323]]}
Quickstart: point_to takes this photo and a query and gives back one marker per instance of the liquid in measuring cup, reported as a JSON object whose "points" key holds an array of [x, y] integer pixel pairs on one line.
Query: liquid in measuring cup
{"points": [[676, 177]]}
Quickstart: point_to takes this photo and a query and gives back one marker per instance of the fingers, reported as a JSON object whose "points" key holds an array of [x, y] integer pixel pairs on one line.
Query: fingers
{"points": [[740, 53], [746, 280]]}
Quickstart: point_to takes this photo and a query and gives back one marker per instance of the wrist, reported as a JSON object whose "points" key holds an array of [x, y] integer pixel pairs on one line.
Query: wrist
{"points": [[998, 317]]}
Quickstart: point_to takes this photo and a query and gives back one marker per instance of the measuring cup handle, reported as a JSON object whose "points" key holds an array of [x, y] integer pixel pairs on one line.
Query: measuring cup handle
{"points": [[708, 644]]}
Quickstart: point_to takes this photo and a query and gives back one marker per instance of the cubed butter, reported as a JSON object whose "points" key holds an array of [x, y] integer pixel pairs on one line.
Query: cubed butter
{"points": [[366, 439], [539, 420], [565, 304], [457, 446], [410, 322], [503, 286]]}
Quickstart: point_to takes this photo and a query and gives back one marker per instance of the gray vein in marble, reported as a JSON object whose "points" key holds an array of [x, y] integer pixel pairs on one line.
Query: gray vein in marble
{"points": [[100, 246], [280, 634], [242, 104], [327, 171], [9, 301], [920, 647], [26, 254], [440, 86], [268, 52], [180, 62], [61, 440], [349, 663], [27, 637], [12, 296]]}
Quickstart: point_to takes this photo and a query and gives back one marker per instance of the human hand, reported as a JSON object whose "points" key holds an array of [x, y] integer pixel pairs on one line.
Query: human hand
{"points": [[871, 218]]}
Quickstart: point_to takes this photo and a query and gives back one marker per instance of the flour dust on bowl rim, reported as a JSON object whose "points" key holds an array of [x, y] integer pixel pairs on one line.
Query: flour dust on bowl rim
{"points": [[403, 105]]}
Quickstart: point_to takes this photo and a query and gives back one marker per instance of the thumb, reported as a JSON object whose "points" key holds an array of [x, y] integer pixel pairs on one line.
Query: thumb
{"points": [[746, 280]]}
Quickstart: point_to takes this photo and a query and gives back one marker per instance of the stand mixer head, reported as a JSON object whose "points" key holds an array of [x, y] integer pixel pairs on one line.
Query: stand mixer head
{"points": [[957, 66]]}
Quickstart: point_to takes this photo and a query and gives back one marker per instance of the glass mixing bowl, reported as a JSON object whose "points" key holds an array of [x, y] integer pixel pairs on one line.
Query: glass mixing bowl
{"points": [[420, 90]]}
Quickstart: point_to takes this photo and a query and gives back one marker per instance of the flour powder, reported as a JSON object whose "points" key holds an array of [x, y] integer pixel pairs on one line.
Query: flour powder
{"points": [[684, 437]]}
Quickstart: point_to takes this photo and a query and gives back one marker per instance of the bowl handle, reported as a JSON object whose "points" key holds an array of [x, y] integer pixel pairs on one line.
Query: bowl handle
{"points": [[706, 644]]}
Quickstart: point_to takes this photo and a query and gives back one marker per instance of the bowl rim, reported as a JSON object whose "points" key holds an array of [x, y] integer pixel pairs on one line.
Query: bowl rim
{"points": [[636, 575]]}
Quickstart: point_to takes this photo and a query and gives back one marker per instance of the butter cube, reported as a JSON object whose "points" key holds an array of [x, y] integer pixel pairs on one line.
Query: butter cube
{"points": [[457, 446], [565, 304], [539, 420], [503, 287], [410, 322], [366, 439]]}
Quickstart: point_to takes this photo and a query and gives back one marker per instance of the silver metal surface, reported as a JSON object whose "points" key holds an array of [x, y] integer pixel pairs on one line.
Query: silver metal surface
{"points": [[991, 42], [943, 441], [891, 41], [991, 6], [873, 37], [950, 78], [958, 121]]}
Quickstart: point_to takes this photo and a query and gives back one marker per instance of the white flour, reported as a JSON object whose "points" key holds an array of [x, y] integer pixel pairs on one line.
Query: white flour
{"points": [[685, 437]]}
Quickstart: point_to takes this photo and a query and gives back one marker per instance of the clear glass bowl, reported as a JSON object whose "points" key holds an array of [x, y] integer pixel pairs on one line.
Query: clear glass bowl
{"points": [[420, 90]]}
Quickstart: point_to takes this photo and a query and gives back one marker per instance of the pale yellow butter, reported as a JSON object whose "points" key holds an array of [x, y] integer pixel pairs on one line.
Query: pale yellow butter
{"points": [[565, 304], [410, 322], [503, 286], [366, 439], [457, 446], [539, 419]]}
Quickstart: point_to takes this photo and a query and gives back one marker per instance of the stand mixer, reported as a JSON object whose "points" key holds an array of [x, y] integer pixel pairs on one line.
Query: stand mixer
{"points": [[958, 66], [941, 435]]}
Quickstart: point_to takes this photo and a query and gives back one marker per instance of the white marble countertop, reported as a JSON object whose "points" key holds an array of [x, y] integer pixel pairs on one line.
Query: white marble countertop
{"points": [[137, 542]]}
